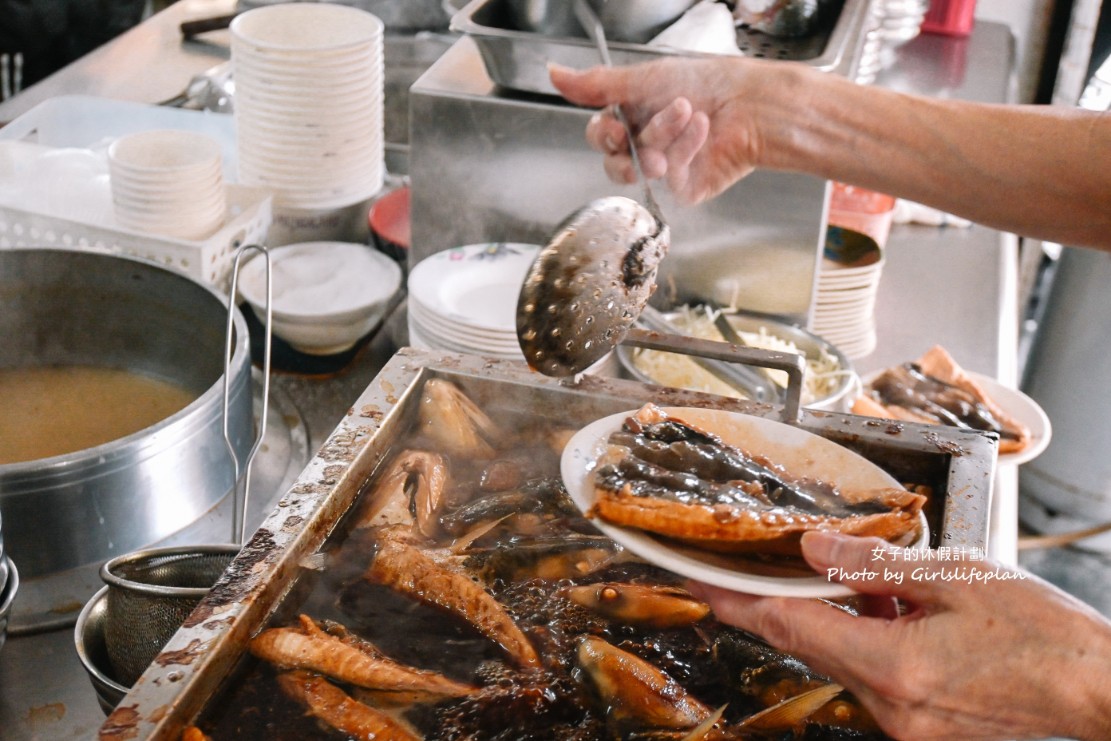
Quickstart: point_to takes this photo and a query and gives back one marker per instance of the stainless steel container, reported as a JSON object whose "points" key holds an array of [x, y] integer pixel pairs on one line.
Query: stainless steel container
{"points": [[957, 465], [623, 20], [493, 160], [10, 585], [517, 50], [88, 637], [489, 164], [838, 399], [65, 307]]}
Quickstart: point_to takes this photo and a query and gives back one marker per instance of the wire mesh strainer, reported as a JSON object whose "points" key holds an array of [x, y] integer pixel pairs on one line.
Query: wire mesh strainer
{"points": [[150, 593]]}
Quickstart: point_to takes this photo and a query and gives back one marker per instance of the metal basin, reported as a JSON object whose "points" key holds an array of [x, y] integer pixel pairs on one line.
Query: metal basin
{"points": [[838, 399], [79, 308]]}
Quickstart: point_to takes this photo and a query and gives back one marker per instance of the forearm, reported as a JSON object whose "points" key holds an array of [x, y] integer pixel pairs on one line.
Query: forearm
{"points": [[1035, 170]]}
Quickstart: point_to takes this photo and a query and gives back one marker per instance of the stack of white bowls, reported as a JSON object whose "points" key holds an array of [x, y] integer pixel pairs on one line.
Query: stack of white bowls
{"points": [[900, 20], [309, 106], [465, 299], [168, 182], [848, 279], [893, 23]]}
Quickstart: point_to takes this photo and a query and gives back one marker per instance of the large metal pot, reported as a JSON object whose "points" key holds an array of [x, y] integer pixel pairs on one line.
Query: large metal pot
{"points": [[64, 308]]}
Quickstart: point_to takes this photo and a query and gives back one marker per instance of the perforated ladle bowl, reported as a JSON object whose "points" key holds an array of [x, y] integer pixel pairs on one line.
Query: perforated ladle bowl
{"points": [[594, 277], [588, 285]]}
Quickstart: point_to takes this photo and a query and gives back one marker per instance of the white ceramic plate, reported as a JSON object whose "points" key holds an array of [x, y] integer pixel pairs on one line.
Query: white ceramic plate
{"points": [[436, 324], [1025, 410], [476, 285], [1018, 405], [800, 452]]}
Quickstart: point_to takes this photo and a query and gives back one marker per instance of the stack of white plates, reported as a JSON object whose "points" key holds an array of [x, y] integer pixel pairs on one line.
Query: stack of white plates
{"points": [[465, 299], [849, 277], [309, 103]]}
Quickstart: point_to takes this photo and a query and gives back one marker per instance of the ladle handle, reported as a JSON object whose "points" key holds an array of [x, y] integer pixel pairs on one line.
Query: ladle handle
{"points": [[790, 363], [239, 506], [590, 22]]}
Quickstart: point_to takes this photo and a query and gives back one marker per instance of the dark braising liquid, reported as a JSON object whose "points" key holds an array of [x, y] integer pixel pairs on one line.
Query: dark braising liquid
{"points": [[543, 544]]}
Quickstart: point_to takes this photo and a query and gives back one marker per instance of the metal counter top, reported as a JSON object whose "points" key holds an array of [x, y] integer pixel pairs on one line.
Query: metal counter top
{"points": [[956, 287], [146, 64], [948, 286]]}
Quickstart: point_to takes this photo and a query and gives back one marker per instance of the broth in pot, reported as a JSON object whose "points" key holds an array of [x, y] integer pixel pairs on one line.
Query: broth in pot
{"points": [[55, 410]]}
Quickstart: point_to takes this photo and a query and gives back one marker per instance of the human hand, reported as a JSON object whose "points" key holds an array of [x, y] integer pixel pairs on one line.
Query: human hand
{"points": [[1009, 657], [691, 120]]}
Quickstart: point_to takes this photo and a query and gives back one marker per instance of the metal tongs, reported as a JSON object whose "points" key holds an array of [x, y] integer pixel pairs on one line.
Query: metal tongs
{"points": [[751, 382], [242, 469]]}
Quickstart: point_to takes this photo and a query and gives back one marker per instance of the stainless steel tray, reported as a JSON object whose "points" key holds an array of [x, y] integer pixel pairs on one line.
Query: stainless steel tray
{"points": [[958, 465], [518, 59]]}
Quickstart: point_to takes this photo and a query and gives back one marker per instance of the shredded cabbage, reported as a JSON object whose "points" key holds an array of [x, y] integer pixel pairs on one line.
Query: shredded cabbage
{"points": [[821, 378]]}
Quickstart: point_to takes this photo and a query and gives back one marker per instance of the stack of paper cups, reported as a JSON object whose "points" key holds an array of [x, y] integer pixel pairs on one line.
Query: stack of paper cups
{"points": [[848, 280], [168, 182], [308, 105]]}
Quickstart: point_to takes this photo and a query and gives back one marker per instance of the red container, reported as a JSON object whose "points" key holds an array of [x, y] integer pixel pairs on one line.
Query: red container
{"points": [[861, 210], [390, 226], [950, 17]]}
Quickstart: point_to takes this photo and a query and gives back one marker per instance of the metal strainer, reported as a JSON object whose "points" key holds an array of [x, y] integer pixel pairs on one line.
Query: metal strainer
{"points": [[150, 593]]}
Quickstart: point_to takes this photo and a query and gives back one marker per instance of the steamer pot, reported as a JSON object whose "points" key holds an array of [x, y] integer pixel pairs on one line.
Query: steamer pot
{"points": [[64, 307]]}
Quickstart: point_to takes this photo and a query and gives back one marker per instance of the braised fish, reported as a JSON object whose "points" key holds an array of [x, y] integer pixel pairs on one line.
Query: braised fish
{"points": [[934, 389], [349, 659], [668, 477]]}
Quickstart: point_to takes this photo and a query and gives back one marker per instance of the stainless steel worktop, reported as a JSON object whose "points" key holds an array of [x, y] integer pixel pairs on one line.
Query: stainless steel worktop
{"points": [[949, 286]]}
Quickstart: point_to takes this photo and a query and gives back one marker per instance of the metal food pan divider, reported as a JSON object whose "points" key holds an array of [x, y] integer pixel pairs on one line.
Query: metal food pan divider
{"points": [[518, 59], [189, 672]]}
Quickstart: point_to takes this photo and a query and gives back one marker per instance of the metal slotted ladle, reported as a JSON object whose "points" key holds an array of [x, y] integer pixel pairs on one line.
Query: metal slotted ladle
{"points": [[597, 33], [591, 282], [594, 277]]}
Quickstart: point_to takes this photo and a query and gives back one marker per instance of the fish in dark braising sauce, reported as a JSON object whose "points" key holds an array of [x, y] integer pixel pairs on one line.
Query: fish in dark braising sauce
{"points": [[333, 707], [349, 659], [636, 693], [506, 616], [652, 605], [667, 477], [411, 570], [934, 389]]}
